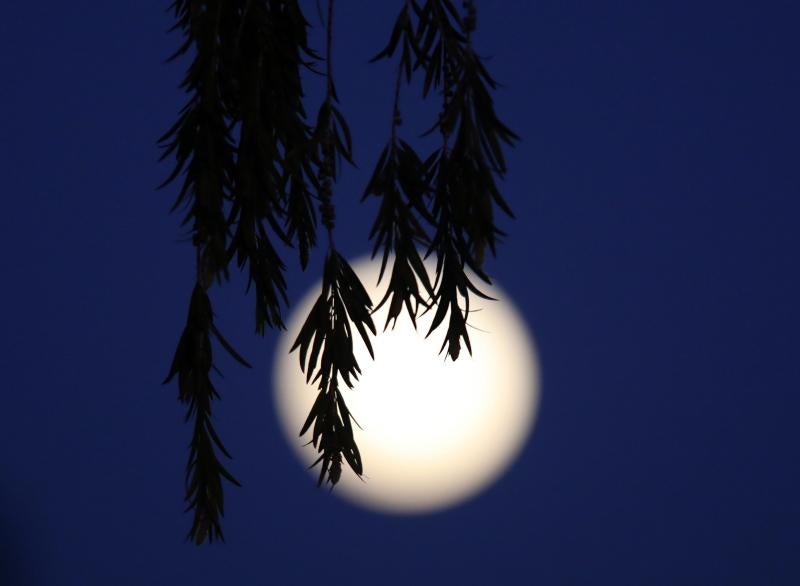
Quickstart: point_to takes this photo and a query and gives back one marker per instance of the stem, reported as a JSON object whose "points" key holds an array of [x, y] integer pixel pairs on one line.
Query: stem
{"points": [[328, 49], [396, 119], [329, 162], [396, 103]]}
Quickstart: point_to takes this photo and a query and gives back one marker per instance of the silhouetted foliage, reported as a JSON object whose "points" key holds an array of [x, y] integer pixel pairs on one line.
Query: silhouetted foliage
{"points": [[328, 332], [254, 171]]}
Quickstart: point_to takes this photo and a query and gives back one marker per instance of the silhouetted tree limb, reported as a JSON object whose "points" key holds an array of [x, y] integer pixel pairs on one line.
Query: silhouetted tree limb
{"points": [[342, 302], [399, 180], [244, 80], [462, 170], [253, 172]]}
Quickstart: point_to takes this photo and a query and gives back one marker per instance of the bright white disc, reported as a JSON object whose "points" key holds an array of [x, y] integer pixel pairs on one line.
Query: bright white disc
{"points": [[435, 432]]}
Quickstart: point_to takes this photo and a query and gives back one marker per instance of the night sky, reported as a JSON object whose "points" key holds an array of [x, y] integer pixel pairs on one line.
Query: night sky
{"points": [[654, 256]]}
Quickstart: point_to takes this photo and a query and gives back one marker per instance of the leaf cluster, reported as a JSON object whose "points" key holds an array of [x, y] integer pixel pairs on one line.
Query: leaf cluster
{"points": [[325, 344], [447, 202], [343, 304], [399, 182], [252, 173], [246, 178], [192, 365], [331, 143]]}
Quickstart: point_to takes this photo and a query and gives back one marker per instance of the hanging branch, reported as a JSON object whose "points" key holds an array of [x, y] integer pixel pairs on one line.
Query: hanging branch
{"points": [[270, 47], [328, 332], [200, 140], [257, 192], [477, 147], [192, 364], [462, 170], [245, 76], [454, 190], [202, 146], [251, 168], [399, 181]]}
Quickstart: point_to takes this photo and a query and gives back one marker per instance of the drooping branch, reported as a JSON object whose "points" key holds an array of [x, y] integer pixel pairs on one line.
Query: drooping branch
{"points": [[462, 171], [192, 365], [250, 168], [200, 140], [331, 139], [399, 182], [202, 146], [274, 164], [454, 190], [342, 304], [325, 345], [243, 82]]}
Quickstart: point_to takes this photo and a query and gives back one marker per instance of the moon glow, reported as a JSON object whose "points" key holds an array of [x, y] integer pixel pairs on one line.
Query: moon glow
{"points": [[433, 432]]}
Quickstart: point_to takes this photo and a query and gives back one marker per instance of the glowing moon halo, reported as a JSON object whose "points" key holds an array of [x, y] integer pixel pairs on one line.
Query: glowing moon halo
{"points": [[435, 432]]}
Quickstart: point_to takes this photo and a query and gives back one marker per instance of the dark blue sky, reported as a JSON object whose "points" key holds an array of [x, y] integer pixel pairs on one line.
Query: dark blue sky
{"points": [[655, 256]]}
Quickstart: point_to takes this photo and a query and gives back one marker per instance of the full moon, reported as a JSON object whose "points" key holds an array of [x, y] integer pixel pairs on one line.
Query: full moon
{"points": [[433, 432]]}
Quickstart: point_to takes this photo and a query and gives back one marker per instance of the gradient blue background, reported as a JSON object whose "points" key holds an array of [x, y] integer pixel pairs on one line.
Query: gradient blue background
{"points": [[655, 256]]}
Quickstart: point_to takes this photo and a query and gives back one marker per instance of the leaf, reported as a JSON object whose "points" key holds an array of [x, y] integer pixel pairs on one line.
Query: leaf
{"points": [[231, 350], [400, 23]]}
